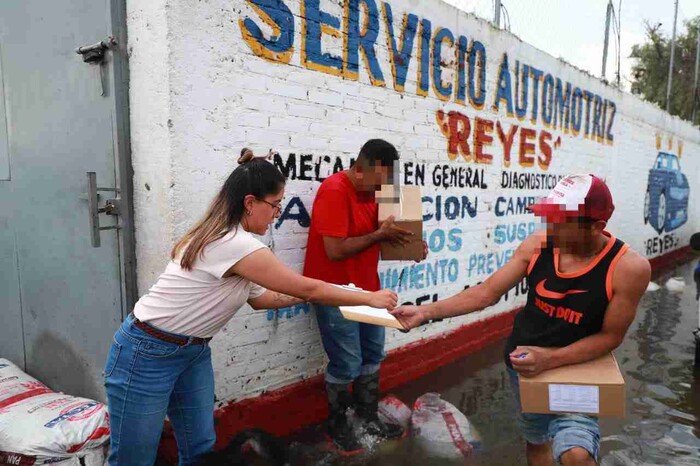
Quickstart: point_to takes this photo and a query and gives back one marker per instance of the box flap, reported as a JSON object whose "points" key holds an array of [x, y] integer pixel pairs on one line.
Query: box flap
{"points": [[387, 193], [405, 206], [411, 203], [601, 371]]}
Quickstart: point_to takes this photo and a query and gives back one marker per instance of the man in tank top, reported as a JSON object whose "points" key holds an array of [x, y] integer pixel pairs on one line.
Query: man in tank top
{"points": [[584, 287]]}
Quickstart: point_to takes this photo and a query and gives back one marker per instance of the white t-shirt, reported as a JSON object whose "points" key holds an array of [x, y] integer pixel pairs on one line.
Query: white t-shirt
{"points": [[199, 302]]}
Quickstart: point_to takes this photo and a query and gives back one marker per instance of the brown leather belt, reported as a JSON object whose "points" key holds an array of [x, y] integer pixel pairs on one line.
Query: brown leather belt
{"points": [[180, 341]]}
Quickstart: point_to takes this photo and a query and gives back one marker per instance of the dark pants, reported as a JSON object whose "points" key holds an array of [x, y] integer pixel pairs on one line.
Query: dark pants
{"points": [[353, 348]]}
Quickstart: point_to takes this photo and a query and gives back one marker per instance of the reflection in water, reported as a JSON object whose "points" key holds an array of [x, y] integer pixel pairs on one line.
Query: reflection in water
{"points": [[662, 391], [654, 334], [662, 426]]}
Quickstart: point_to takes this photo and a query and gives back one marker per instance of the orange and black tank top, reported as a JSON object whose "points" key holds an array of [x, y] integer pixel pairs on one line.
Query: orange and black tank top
{"points": [[563, 308]]}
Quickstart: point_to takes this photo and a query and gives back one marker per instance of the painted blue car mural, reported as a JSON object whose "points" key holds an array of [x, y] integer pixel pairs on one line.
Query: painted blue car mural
{"points": [[666, 200]]}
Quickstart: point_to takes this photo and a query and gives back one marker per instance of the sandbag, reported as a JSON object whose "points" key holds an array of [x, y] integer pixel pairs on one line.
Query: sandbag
{"points": [[442, 429], [40, 426], [92, 457], [651, 287], [675, 284], [391, 410]]}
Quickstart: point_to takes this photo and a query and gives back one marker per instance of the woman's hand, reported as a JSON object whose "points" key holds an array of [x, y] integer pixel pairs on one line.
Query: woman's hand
{"points": [[384, 299]]}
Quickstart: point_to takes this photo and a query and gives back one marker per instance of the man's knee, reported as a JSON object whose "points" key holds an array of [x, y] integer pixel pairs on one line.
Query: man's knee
{"points": [[372, 343], [576, 439], [373, 358], [577, 456], [346, 367]]}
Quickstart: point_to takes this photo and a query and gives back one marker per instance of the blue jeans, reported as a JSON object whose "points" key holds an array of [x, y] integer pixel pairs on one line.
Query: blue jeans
{"points": [[147, 378], [353, 348], [566, 431]]}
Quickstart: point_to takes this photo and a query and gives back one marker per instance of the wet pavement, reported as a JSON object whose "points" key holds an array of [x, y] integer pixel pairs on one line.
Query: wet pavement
{"points": [[662, 426]]}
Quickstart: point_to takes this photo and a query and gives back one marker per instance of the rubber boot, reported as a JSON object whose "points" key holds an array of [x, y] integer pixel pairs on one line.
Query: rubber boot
{"points": [[365, 391], [339, 430]]}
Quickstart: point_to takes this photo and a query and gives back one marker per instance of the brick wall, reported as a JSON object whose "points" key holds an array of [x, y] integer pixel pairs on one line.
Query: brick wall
{"points": [[314, 80]]}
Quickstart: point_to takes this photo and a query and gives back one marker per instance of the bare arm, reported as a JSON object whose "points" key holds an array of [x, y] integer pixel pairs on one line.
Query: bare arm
{"points": [[263, 268], [487, 293], [338, 249], [630, 280], [480, 296], [273, 300]]}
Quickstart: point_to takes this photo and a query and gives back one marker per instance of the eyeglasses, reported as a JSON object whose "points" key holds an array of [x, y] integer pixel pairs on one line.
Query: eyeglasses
{"points": [[277, 207]]}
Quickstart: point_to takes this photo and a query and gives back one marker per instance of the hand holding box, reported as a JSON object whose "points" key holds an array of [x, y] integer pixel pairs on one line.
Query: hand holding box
{"points": [[405, 205]]}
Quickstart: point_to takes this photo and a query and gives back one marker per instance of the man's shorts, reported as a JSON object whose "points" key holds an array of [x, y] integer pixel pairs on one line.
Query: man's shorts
{"points": [[566, 431]]}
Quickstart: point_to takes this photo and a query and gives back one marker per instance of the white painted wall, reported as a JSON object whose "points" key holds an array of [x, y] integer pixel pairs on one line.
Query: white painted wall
{"points": [[199, 94]]}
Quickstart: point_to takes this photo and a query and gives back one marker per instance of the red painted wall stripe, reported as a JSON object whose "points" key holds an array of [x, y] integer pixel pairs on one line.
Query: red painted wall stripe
{"points": [[275, 413], [661, 263]]}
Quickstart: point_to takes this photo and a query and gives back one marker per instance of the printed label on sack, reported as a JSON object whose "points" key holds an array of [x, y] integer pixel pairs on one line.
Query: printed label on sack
{"points": [[574, 398], [75, 413], [18, 459], [456, 434], [53, 403], [26, 390]]}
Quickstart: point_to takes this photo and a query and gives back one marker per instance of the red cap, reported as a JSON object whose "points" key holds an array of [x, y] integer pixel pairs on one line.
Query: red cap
{"points": [[576, 196]]}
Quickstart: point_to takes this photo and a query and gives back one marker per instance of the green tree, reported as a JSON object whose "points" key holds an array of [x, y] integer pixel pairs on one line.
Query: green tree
{"points": [[650, 73]]}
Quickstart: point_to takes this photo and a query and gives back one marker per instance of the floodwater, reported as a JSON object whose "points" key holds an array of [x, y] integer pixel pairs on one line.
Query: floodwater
{"points": [[662, 426]]}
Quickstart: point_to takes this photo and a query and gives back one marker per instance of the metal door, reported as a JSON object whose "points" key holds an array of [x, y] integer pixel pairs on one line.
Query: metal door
{"points": [[60, 117]]}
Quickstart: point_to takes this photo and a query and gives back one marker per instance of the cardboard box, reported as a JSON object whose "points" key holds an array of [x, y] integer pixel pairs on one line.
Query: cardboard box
{"points": [[405, 204], [594, 387]]}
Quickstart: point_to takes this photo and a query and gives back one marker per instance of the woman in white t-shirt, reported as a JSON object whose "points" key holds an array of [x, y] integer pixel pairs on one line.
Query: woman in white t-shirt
{"points": [[160, 360]]}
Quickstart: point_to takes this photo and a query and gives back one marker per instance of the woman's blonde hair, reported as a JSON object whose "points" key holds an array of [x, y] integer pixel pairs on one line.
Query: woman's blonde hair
{"points": [[254, 176]]}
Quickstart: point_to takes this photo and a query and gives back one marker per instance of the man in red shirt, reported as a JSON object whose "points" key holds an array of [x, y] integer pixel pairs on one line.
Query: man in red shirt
{"points": [[343, 248]]}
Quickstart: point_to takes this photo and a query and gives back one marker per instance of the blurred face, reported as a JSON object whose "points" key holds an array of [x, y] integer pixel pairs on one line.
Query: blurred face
{"points": [[574, 232], [371, 176], [263, 212]]}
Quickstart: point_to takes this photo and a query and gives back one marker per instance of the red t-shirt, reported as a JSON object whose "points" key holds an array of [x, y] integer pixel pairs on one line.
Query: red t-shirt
{"points": [[340, 211]]}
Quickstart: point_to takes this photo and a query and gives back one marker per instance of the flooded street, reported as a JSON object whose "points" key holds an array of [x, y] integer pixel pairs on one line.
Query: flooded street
{"points": [[662, 426]]}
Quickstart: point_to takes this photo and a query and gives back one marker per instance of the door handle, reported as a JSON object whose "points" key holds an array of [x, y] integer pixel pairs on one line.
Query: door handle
{"points": [[111, 207], [95, 53]]}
